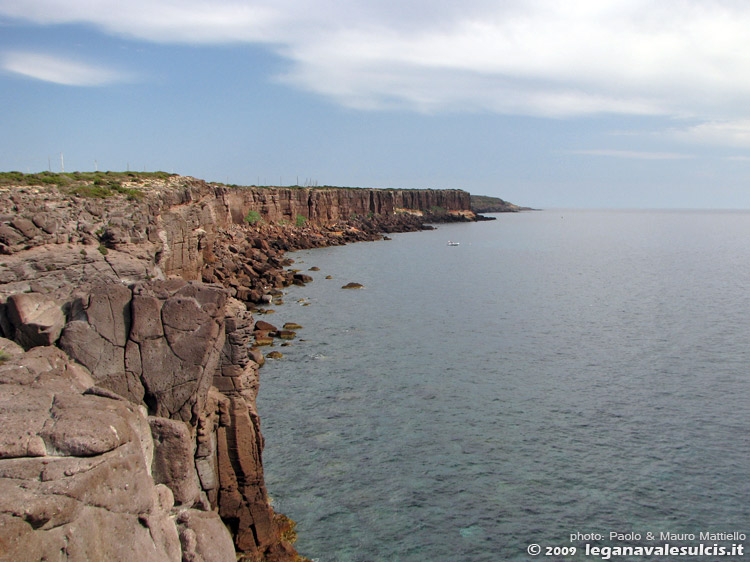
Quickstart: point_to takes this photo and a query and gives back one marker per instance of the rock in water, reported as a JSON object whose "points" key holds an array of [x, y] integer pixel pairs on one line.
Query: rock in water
{"points": [[263, 326]]}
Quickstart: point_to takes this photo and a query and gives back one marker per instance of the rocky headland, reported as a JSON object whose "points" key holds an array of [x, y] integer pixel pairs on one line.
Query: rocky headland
{"points": [[130, 356], [487, 204]]}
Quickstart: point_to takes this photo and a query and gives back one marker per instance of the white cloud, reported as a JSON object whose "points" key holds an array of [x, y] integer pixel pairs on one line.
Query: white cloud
{"points": [[727, 133], [59, 70], [632, 154], [684, 58]]}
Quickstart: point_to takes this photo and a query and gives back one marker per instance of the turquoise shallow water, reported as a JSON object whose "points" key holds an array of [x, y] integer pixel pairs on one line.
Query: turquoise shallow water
{"points": [[558, 372]]}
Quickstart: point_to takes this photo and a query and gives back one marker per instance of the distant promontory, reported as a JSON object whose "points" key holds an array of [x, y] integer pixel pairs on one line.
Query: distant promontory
{"points": [[487, 204]]}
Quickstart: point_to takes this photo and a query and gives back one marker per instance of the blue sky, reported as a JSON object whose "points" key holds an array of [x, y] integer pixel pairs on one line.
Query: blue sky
{"points": [[587, 103]]}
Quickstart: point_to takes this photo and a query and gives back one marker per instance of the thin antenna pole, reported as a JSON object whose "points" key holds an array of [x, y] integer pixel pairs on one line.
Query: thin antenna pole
{"points": [[62, 163]]}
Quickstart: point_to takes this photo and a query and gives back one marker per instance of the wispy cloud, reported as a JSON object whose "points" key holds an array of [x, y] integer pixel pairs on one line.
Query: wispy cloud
{"points": [[728, 133], [678, 58], [59, 70], [632, 154]]}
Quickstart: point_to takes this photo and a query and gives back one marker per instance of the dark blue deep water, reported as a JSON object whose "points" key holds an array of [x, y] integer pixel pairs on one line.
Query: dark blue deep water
{"points": [[558, 372]]}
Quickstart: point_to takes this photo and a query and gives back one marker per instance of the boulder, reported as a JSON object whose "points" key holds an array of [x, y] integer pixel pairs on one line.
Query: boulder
{"points": [[9, 349], [262, 326], [257, 356], [204, 537], [301, 279], [25, 227], [10, 236], [36, 319], [353, 286]]}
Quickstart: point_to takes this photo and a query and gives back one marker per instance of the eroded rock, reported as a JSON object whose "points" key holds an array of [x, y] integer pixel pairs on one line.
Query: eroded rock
{"points": [[76, 480], [35, 318], [173, 464]]}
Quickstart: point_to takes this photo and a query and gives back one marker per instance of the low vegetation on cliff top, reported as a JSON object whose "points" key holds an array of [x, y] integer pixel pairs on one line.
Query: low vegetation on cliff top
{"points": [[487, 204], [97, 185], [65, 179], [106, 183]]}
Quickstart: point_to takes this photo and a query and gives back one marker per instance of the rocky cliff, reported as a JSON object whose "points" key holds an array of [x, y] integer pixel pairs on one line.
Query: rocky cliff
{"points": [[128, 370]]}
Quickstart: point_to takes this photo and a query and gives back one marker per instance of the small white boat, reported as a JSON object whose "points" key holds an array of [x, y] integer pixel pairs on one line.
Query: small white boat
{"points": [[452, 243]]}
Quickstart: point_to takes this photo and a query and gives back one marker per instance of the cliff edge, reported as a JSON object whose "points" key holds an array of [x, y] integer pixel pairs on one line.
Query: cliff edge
{"points": [[128, 365]]}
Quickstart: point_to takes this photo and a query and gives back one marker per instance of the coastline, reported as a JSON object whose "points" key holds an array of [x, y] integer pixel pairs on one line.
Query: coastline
{"points": [[138, 301]]}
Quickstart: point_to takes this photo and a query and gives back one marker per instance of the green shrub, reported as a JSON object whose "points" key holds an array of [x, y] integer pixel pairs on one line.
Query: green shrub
{"points": [[252, 217], [93, 191], [300, 220]]}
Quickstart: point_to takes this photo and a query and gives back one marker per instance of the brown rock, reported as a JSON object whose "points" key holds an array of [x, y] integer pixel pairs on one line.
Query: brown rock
{"points": [[9, 349], [353, 286], [301, 279], [168, 358], [173, 463], [26, 227], [10, 236], [257, 356], [36, 319], [76, 480], [243, 502], [204, 537], [263, 326]]}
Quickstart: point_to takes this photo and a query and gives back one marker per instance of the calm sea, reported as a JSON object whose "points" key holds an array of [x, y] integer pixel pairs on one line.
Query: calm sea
{"points": [[558, 372]]}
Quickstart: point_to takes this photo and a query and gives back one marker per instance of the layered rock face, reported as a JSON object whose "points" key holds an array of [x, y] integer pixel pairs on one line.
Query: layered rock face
{"points": [[127, 374], [325, 206]]}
